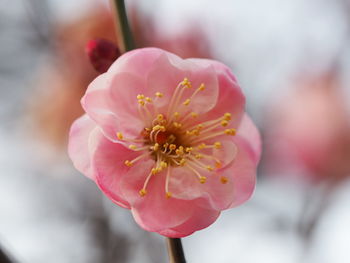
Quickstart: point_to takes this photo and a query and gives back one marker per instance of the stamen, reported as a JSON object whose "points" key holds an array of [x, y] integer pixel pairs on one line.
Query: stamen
{"points": [[142, 192], [227, 116], [167, 178], [230, 132], [130, 163], [159, 95], [223, 179], [202, 179], [120, 136], [199, 164], [186, 102], [199, 156], [177, 125]]}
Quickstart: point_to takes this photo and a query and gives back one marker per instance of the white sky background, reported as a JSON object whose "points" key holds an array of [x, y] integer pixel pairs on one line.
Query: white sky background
{"points": [[266, 43]]}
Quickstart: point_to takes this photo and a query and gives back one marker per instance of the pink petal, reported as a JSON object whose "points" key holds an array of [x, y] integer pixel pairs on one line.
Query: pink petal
{"points": [[138, 62], [170, 70], [231, 98], [240, 172], [248, 131], [108, 163], [81, 144], [111, 102], [154, 212], [200, 219]]}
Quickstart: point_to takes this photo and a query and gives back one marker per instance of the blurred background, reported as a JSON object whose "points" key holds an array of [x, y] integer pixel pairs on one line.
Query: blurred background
{"points": [[291, 58]]}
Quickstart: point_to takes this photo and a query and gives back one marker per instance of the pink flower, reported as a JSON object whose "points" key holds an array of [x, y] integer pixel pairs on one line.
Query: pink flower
{"points": [[167, 138], [310, 130]]}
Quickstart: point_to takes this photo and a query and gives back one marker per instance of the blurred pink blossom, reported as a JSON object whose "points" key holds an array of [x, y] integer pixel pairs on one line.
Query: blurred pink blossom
{"points": [[311, 130], [167, 138]]}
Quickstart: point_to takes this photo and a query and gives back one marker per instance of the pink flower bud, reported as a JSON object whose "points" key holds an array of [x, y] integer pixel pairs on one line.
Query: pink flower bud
{"points": [[102, 53]]}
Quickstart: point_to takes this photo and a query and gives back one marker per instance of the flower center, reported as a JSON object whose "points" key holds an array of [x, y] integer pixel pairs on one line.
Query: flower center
{"points": [[176, 138]]}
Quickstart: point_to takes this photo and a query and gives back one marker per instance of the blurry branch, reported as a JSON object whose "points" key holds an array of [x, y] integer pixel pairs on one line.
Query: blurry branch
{"points": [[4, 258], [39, 18], [315, 205]]}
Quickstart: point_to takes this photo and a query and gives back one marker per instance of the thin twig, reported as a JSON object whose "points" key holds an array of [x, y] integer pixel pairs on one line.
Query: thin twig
{"points": [[175, 251], [124, 36]]}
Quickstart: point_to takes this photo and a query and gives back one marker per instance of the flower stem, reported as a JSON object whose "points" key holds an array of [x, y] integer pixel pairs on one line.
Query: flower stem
{"points": [[124, 36], [175, 251]]}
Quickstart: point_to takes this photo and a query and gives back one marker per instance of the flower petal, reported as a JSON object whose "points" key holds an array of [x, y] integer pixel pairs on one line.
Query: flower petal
{"points": [[230, 98], [248, 131], [154, 212], [240, 174], [111, 102], [200, 219], [108, 164], [81, 143], [169, 70]]}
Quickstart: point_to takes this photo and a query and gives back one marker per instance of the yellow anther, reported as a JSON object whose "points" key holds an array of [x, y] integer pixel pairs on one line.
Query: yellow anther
{"points": [[176, 114], [218, 164], [120, 135], [198, 156], [189, 149], [180, 151], [172, 146], [182, 162], [128, 163], [217, 145], [148, 99], [200, 126], [168, 195], [163, 164], [132, 147], [142, 192], [230, 132], [141, 102], [201, 146], [223, 179], [156, 147], [209, 168], [202, 179], [186, 102], [159, 127], [165, 145], [160, 117], [227, 116], [195, 132], [159, 95], [177, 125], [186, 83], [154, 170], [140, 97], [194, 114], [224, 123], [201, 87]]}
